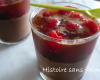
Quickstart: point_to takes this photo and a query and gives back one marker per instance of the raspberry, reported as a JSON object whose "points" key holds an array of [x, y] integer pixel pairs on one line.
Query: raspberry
{"points": [[93, 26], [53, 45], [51, 24], [71, 26], [54, 34], [64, 12], [63, 35], [76, 15], [46, 14]]}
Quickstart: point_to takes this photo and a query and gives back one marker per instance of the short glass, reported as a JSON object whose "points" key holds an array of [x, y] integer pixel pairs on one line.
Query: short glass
{"points": [[14, 21], [68, 63]]}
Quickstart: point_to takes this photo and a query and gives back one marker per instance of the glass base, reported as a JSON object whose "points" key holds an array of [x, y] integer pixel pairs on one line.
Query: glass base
{"points": [[45, 78], [16, 42]]}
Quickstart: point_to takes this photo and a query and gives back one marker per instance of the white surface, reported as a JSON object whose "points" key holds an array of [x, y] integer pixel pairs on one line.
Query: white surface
{"points": [[18, 62]]}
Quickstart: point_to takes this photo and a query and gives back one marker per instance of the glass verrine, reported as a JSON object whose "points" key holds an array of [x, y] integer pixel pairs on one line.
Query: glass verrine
{"points": [[69, 59], [14, 20]]}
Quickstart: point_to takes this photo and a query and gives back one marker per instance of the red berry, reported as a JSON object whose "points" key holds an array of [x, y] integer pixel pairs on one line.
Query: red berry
{"points": [[93, 26], [61, 34], [53, 45], [51, 24], [71, 26], [76, 15], [46, 14], [54, 34], [64, 12]]}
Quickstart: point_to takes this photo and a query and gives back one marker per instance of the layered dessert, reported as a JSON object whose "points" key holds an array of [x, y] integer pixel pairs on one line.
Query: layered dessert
{"points": [[14, 20], [63, 42]]}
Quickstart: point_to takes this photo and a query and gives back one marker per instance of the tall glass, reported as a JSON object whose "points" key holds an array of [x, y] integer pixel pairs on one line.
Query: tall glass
{"points": [[14, 20], [69, 60]]}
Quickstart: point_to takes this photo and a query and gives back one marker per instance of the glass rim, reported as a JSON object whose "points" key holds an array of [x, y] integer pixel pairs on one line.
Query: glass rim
{"points": [[69, 40]]}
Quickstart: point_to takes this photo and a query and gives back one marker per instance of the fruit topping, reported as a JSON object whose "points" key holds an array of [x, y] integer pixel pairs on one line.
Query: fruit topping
{"points": [[64, 12], [54, 46], [76, 15], [51, 24], [71, 26], [93, 26], [57, 34], [46, 14]]}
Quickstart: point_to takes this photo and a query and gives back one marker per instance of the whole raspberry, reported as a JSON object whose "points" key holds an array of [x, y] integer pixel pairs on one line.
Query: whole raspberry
{"points": [[51, 24], [57, 34], [76, 15], [71, 26], [54, 34], [46, 14], [64, 12], [93, 26], [54, 46], [62, 34]]}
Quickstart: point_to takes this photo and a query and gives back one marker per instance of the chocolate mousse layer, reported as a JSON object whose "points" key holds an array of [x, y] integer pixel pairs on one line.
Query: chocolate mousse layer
{"points": [[14, 30], [61, 71]]}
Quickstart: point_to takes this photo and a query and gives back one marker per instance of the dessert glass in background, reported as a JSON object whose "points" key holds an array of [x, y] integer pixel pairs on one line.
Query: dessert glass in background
{"points": [[14, 21], [54, 54]]}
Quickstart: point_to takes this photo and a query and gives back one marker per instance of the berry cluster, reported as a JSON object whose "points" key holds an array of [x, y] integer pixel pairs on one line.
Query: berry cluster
{"points": [[51, 25]]}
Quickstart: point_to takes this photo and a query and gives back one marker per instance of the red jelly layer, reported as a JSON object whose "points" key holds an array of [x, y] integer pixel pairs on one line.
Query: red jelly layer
{"points": [[63, 53]]}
